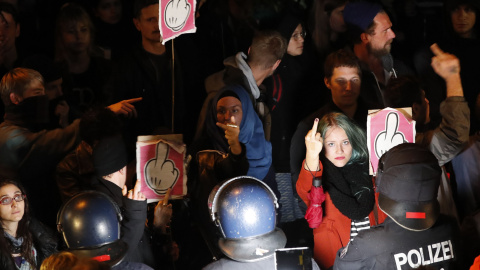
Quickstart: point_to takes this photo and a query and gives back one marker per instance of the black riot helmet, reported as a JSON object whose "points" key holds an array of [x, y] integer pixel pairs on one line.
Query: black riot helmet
{"points": [[90, 225]]}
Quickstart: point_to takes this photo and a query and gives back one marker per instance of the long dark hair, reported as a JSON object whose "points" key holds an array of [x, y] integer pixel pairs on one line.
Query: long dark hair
{"points": [[22, 230]]}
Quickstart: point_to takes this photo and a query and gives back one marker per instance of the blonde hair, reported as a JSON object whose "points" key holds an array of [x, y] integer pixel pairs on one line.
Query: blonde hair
{"points": [[17, 81], [71, 13]]}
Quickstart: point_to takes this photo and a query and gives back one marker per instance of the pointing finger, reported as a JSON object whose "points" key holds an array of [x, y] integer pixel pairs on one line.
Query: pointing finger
{"points": [[133, 100]]}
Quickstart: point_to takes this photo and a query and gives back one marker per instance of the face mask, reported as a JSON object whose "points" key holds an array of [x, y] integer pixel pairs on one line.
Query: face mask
{"points": [[32, 112]]}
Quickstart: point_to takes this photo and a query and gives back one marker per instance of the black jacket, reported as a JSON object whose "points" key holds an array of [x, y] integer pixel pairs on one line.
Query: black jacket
{"points": [[141, 74], [389, 246], [208, 169], [44, 241], [134, 232]]}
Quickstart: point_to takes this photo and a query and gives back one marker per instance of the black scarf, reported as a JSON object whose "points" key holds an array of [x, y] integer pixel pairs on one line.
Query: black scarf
{"points": [[350, 187]]}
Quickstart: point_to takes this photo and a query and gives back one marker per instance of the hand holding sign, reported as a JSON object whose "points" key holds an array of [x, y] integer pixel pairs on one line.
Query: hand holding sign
{"points": [[390, 137], [176, 14], [160, 172]]}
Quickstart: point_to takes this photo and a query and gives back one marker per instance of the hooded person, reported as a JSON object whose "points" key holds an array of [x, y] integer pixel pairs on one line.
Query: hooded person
{"points": [[415, 233], [258, 150]]}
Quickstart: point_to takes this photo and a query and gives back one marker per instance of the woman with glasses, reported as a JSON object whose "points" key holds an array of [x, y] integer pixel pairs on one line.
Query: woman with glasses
{"points": [[287, 99], [25, 242]]}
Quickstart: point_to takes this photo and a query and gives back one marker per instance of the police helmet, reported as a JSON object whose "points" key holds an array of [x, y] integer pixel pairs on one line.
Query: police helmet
{"points": [[244, 209], [90, 225]]}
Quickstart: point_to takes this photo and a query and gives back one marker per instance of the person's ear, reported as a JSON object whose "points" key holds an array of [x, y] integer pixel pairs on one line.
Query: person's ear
{"points": [[277, 63], [248, 52], [364, 37], [17, 30], [136, 22], [327, 82], [15, 99]]}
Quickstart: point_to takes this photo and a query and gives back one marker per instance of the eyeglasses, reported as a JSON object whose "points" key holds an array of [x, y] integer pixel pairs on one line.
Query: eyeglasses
{"points": [[5, 200], [297, 36]]}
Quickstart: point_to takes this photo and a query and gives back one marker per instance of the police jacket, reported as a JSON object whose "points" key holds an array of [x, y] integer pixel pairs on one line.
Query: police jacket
{"points": [[389, 246]]}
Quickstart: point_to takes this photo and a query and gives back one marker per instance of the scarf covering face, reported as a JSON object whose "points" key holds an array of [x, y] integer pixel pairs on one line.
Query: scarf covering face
{"points": [[259, 150], [350, 187], [31, 113]]}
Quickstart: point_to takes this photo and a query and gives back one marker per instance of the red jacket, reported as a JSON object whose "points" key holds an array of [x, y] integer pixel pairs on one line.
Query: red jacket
{"points": [[334, 231]]}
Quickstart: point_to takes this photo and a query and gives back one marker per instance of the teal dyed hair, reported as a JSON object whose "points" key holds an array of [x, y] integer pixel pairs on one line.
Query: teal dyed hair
{"points": [[356, 135]]}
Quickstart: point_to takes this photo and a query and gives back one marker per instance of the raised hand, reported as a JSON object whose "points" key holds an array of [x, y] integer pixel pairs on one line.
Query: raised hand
{"points": [[390, 137], [125, 107], [314, 145], [232, 131], [134, 194], [444, 64], [176, 14], [163, 213]]}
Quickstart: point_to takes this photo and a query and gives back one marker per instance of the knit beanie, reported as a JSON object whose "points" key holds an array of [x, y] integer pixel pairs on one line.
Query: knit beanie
{"points": [[360, 14], [109, 155]]}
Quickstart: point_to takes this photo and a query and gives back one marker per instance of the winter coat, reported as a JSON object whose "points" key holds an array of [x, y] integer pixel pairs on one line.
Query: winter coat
{"points": [[334, 231]]}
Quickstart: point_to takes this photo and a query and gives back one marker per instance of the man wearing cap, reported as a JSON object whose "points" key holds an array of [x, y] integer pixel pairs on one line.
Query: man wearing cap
{"points": [[370, 31], [415, 233], [110, 160]]}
